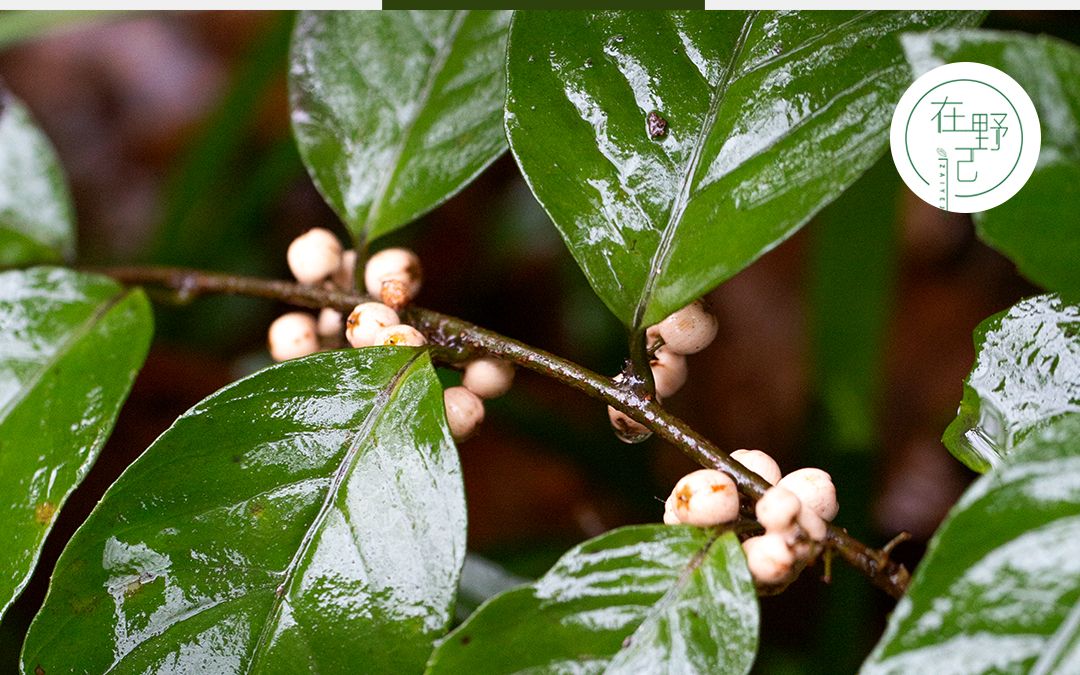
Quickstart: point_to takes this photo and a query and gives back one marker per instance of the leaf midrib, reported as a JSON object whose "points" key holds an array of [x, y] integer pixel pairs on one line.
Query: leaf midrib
{"points": [[438, 62], [659, 260], [378, 407]]}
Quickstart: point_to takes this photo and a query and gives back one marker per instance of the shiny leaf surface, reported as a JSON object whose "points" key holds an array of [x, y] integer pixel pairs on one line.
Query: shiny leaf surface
{"points": [[309, 517], [673, 148], [70, 346], [640, 599], [999, 589], [1038, 228], [36, 224], [1027, 372], [396, 111]]}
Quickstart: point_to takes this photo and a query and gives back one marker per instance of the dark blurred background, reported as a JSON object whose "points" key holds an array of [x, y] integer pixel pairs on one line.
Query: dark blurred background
{"points": [[844, 348]]}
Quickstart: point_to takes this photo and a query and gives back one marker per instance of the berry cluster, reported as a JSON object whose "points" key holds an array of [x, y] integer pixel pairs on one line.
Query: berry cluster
{"points": [[687, 331], [793, 512], [394, 276]]}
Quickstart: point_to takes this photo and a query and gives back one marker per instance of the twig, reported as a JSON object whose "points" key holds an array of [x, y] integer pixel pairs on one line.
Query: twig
{"points": [[454, 340]]}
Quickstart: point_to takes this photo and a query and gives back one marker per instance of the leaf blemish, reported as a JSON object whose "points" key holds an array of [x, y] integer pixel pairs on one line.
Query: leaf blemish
{"points": [[44, 513], [656, 125]]}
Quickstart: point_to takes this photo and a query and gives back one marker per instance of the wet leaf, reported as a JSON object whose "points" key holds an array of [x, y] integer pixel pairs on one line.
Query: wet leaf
{"points": [[769, 116], [639, 599], [999, 588], [1026, 373], [1039, 227], [852, 270], [396, 111], [309, 517], [36, 223], [70, 346]]}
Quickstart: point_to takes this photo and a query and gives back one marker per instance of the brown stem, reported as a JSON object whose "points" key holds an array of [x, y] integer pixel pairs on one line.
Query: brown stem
{"points": [[454, 340]]}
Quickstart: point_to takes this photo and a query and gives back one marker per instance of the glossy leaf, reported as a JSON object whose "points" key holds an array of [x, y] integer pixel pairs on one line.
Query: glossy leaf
{"points": [[1027, 372], [640, 599], [35, 209], [769, 116], [852, 268], [1038, 228], [396, 111], [309, 517], [999, 589], [70, 346]]}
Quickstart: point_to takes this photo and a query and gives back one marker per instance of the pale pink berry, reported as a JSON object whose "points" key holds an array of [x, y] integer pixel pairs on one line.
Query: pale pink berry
{"points": [[668, 371], [688, 330], [401, 335], [815, 489], [706, 497], [627, 429], [777, 509], [293, 335], [760, 463], [670, 517], [345, 275], [812, 524], [366, 319], [314, 255], [330, 322], [464, 412], [394, 276], [488, 377], [769, 558]]}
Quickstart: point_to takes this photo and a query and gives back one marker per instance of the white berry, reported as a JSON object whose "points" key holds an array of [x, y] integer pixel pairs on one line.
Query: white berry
{"points": [[777, 509], [330, 321], [689, 330], [488, 377], [345, 275], [367, 319], [394, 276], [769, 558], [293, 335], [668, 371], [314, 255], [815, 489], [464, 412], [812, 524], [670, 517], [401, 335], [706, 497], [626, 428], [760, 463]]}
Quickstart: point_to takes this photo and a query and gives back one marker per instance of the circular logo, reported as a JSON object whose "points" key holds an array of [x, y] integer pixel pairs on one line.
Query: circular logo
{"points": [[965, 137]]}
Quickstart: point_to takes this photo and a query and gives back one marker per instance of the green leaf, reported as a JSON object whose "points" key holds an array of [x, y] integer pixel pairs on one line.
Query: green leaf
{"points": [[309, 517], [852, 265], [1038, 228], [35, 209], [770, 116], [396, 111], [639, 599], [70, 346], [1026, 373], [999, 588]]}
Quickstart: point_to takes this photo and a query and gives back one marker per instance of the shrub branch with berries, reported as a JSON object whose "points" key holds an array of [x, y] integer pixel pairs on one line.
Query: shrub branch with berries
{"points": [[311, 516]]}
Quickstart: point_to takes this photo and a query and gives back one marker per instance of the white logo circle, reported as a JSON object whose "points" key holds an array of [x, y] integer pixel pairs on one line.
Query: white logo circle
{"points": [[965, 137]]}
